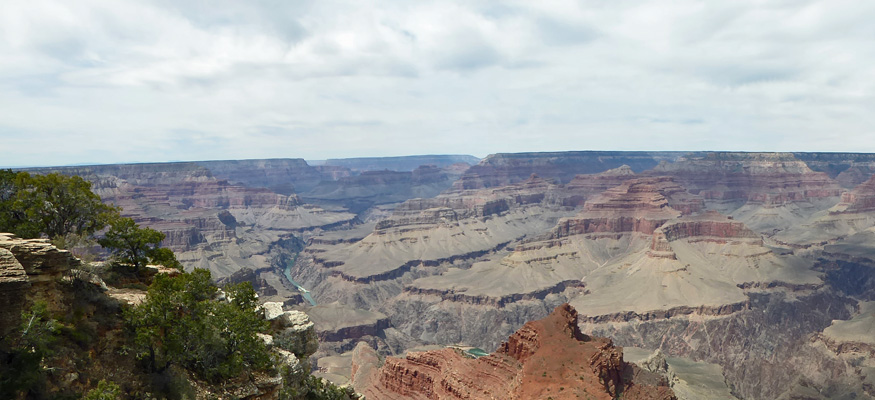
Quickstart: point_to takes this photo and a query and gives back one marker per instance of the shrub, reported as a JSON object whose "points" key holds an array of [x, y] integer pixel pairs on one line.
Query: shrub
{"points": [[23, 352], [104, 391]]}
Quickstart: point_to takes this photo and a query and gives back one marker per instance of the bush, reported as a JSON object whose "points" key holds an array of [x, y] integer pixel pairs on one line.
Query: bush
{"points": [[313, 388], [23, 352], [104, 391]]}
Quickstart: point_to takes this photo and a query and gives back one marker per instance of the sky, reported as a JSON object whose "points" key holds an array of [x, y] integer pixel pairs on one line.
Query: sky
{"points": [[94, 81]]}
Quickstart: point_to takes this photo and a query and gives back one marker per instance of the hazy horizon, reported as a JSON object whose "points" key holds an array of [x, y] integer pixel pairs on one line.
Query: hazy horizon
{"points": [[100, 82]]}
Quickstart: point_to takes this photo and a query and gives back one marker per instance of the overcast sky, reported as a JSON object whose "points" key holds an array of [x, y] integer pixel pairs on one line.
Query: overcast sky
{"points": [[93, 81]]}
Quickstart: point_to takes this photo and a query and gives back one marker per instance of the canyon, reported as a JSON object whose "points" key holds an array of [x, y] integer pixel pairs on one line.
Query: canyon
{"points": [[755, 270]]}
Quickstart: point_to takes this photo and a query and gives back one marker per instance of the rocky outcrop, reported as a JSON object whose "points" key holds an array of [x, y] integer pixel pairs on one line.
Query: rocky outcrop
{"points": [[261, 286], [292, 330], [14, 286], [364, 365], [33, 268], [550, 357]]}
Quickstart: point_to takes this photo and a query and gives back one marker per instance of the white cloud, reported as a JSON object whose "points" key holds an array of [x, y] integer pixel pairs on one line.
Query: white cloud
{"points": [[108, 81]]}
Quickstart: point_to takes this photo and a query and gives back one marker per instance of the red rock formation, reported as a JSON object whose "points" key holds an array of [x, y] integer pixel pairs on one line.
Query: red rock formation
{"points": [[638, 205], [711, 224], [583, 187], [549, 358]]}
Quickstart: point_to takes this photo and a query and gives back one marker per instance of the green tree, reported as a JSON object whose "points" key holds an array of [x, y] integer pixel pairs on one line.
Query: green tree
{"points": [[180, 323], [51, 205], [166, 257], [130, 243], [13, 217]]}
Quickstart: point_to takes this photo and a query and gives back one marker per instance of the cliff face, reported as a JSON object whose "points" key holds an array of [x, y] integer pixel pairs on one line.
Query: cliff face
{"points": [[544, 358]]}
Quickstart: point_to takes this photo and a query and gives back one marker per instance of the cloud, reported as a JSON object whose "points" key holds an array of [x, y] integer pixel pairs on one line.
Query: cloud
{"points": [[106, 81]]}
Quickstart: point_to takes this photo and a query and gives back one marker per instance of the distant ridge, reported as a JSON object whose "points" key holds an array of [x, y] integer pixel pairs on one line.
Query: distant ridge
{"points": [[401, 163]]}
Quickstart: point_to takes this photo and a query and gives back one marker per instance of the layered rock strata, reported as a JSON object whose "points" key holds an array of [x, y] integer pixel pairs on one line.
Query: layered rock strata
{"points": [[549, 357], [443, 229], [638, 205], [767, 191], [769, 178]]}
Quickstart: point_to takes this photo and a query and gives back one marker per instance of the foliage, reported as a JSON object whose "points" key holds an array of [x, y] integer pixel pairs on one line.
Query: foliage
{"points": [[313, 388], [84, 247], [130, 243], [104, 391], [24, 350], [51, 205], [165, 257], [180, 323]]}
